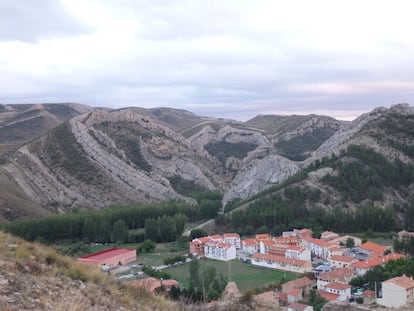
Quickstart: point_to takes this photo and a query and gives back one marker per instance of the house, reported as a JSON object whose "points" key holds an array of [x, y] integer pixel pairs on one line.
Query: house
{"points": [[286, 234], [304, 284], [296, 306], [396, 292], [197, 246], [303, 233], [368, 296], [321, 269], [220, 251], [328, 296], [298, 252], [281, 263], [342, 290], [405, 235], [262, 237], [289, 240], [341, 275], [278, 249], [154, 285], [249, 246], [333, 250], [264, 246], [111, 257], [216, 237], [341, 261], [362, 267], [282, 299], [374, 248], [318, 248], [328, 236], [294, 295], [232, 238]]}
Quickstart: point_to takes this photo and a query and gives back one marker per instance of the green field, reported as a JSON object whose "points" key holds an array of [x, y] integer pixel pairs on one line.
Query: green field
{"points": [[245, 275], [161, 251]]}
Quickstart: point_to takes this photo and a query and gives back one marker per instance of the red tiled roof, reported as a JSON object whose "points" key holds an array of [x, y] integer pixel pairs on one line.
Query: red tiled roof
{"points": [[276, 258], [366, 264], [328, 296], [295, 248], [216, 237], [342, 258], [298, 306], [262, 236], [224, 245], [337, 274], [333, 247], [202, 240], [231, 235], [318, 242], [286, 240], [299, 283], [338, 286], [368, 293], [282, 296], [268, 242], [107, 253], [402, 281], [373, 247], [293, 292], [249, 242]]}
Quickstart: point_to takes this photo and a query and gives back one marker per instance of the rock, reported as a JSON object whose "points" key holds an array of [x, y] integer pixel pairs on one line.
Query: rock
{"points": [[231, 292], [258, 175]]}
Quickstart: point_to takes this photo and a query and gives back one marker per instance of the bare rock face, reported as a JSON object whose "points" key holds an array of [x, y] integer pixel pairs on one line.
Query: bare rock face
{"points": [[258, 174], [203, 137], [307, 127], [227, 134], [102, 157], [340, 139]]}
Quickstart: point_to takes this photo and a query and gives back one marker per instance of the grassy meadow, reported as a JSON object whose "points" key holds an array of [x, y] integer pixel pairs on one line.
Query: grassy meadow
{"points": [[245, 275]]}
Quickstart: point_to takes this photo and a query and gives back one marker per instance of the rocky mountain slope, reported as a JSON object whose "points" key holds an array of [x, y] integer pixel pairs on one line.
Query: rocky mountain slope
{"points": [[102, 156], [19, 124], [368, 161]]}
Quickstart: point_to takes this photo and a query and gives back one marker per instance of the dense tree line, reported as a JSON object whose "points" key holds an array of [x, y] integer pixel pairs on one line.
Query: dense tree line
{"points": [[378, 274], [275, 214], [366, 173], [162, 222], [205, 284], [405, 246]]}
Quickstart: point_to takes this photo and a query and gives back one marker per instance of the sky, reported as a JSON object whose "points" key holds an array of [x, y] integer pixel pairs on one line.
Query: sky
{"points": [[223, 58]]}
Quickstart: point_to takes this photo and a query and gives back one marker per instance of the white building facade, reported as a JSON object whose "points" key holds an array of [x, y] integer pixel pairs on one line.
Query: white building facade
{"points": [[396, 292], [220, 251]]}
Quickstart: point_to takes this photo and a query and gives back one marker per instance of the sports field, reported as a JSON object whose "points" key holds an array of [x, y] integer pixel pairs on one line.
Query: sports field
{"points": [[245, 275]]}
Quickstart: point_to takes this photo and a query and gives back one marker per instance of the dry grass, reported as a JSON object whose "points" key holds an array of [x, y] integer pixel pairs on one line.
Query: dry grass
{"points": [[34, 277]]}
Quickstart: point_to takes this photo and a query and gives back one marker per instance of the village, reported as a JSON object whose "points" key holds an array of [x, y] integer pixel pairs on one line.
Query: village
{"points": [[326, 264]]}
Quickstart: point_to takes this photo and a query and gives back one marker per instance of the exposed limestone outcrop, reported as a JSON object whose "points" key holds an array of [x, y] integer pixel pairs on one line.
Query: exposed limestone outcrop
{"points": [[308, 127], [259, 172], [134, 155], [227, 134], [340, 139]]}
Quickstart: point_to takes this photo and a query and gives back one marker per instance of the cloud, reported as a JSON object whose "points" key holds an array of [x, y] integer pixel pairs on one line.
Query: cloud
{"points": [[221, 58], [31, 21]]}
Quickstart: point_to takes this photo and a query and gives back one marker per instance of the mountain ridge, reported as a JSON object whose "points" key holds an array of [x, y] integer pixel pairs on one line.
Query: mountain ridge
{"points": [[102, 156]]}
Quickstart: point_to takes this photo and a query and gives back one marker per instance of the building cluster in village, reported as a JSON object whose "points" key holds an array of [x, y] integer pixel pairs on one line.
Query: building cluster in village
{"points": [[294, 251]]}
